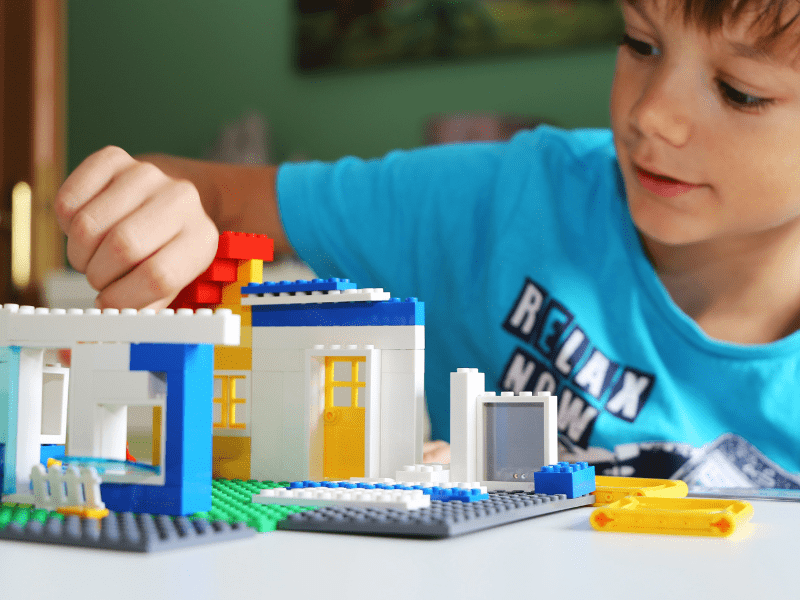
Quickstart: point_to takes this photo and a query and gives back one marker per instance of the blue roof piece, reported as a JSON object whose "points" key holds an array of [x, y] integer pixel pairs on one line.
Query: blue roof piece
{"points": [[301, 285], [346, 314]]}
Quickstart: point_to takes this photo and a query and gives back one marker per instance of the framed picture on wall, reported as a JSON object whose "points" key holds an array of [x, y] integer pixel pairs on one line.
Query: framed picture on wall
{"points": [[352, 34]]}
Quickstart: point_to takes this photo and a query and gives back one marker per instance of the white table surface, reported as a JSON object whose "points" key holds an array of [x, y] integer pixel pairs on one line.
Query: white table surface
{"points": [[558, 555]]}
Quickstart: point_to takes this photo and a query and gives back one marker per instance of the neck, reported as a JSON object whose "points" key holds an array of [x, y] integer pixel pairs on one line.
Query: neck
{"points": [[745, 291]]}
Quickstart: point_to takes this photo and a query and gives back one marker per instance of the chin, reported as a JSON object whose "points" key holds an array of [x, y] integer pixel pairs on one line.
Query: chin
{"points": [[665, 226]]}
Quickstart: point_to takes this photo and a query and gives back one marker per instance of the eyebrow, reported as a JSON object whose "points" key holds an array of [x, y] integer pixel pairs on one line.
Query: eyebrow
{"points": [[738, 49]]}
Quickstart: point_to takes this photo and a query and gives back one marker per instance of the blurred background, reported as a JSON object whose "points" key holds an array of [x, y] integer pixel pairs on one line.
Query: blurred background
{"points": [[234, 82]]}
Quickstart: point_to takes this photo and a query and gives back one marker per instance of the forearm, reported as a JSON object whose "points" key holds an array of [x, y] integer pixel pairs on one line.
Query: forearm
{"points": [[236, 197]]}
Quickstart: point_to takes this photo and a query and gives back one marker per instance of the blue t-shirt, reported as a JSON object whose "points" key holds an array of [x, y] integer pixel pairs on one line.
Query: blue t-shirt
{"points": [[531, 270]]}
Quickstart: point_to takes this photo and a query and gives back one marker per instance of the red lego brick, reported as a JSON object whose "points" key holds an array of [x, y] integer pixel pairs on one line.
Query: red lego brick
{"points": [[244, 246], [223, 270], [198, 294]]}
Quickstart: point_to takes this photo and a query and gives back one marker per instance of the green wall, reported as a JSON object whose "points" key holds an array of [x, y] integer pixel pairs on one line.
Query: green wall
{"points": [[164, 75]]}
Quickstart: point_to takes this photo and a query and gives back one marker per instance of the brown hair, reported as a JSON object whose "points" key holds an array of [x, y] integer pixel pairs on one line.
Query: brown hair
{"points": [[770, 19]]}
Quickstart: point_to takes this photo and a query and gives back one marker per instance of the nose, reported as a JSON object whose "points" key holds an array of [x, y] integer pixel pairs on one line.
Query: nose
{"points": [[663, 108]]}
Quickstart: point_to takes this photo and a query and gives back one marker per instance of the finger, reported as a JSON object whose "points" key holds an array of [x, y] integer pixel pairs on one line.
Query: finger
{"points": [[141, 233], [87, 180], [122, 197], [155, 282]]}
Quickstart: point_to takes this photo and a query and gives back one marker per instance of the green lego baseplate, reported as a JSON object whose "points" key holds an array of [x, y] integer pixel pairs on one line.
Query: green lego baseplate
{"points": [[231, 501]]}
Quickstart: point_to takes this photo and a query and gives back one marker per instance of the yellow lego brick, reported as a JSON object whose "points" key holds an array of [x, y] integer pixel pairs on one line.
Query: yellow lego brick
{"points": [[250, 271], [611, 489], [87, 512], [678, 516], [156, 436], [231, 458], [246, 337], [233, 358]]}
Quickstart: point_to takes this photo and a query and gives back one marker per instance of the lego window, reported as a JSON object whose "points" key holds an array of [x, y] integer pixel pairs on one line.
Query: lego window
{"points": [[513, 440]]}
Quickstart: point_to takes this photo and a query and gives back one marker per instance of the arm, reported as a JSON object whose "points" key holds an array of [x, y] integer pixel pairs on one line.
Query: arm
{"points": [[236, 197]]}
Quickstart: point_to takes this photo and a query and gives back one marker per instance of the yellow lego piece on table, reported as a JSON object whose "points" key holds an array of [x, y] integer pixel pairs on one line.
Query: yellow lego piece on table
{"points": [[677, 516], [250, 271], [233, 358], [611, 489]]}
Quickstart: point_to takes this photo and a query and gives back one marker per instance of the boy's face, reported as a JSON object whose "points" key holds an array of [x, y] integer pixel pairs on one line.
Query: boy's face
{"points": [[726, 124]]}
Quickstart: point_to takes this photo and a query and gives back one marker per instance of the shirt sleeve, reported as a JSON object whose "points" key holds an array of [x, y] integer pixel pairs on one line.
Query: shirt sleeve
{"points": [[395, 222]]}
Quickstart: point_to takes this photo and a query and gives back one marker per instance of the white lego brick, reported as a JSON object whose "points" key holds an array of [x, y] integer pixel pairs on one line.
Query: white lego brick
{"points": [[59, 328], [317, 297], [29, 414], [400, 441], [548, 431], [389, 337], [55, 392], [357, 497], [387, 480], [431, 473], [295, 447], [266, 423], [239, 426], [465, 387], [277, 361], [132, 388], [403, 361]]}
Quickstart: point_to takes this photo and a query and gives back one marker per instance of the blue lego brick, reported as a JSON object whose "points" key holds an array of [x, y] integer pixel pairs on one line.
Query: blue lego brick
{"points": [[123, 531], [440, 520], [346, 314], [188, 433], [457, 494], [56, 451], [572, 479], [301, 285]]}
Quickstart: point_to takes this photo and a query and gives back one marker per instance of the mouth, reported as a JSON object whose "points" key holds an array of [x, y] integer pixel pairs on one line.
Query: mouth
{"points": [[662, 184]]}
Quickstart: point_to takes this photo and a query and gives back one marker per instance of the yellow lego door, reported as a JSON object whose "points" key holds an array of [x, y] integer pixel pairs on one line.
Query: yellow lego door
{"points": [[344, 426]]}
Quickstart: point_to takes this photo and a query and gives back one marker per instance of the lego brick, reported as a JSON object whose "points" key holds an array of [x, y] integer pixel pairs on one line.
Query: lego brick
{"points": [[233, 358], [678, 516], [250, 271], [571, 479], [365, 498], [244, 246], [278, 361], [57, 328], [301, 338], [29, 415], [363, 295], [432, 473], [301, 285], [221, 270], [465, 387], [125, 532], [400, 436], [445, 492], [393, 312], [440, 520], [610, 489], [9, 401], [202, 292], [266, 431], [402, 361], [516, 435]]}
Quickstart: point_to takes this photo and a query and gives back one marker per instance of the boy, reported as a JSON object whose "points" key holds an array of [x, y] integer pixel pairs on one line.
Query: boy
{"points": [[650, 279]]}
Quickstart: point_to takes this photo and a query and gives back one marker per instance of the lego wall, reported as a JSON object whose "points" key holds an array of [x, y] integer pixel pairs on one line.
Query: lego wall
{"points": [[164, 76]]}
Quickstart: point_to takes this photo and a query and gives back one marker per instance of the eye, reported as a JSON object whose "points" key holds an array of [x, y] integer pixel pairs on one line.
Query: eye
{"points": [[741, 100], [638, 46]]}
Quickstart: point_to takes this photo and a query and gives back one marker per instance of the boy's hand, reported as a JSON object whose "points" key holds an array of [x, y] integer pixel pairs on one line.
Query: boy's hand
{"points": [[437, 451], [139, 235]]}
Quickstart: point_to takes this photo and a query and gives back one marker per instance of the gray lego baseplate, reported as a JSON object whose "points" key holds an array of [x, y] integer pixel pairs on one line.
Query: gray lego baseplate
{"points": [[126, 532], [440, 520]]}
